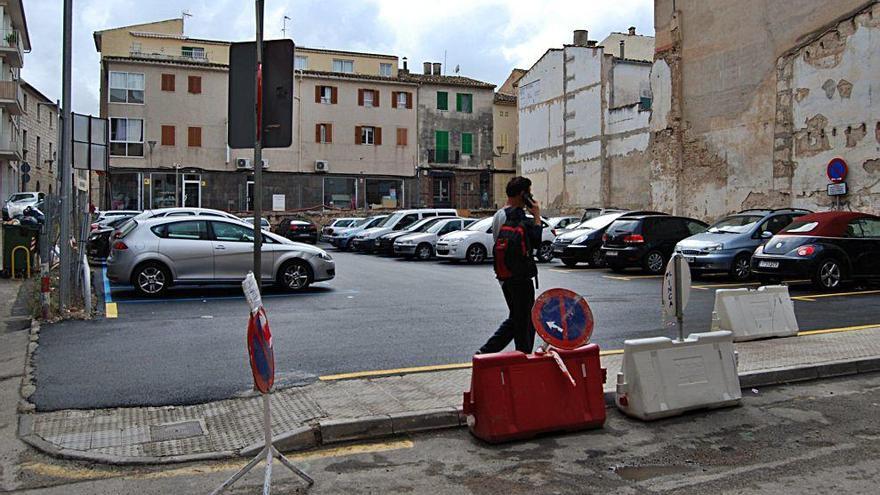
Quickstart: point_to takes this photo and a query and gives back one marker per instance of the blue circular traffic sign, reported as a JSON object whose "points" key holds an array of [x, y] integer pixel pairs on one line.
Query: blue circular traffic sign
{"points": [[563, 318], [836, 170]]}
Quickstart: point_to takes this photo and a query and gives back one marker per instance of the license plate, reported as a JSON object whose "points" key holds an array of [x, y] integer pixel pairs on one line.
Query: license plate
{"points": [[768, 264], [558, 250], [689, 259], [610, 253]]}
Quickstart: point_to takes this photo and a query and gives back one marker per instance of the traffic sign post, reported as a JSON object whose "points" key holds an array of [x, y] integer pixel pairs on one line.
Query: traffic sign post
{"points": [[563, 318], [676, 291], [837, 170]]}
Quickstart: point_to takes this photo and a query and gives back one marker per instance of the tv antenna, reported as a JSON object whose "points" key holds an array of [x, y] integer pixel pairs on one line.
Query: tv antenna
{"points": [[284, 26], [185, 14]]}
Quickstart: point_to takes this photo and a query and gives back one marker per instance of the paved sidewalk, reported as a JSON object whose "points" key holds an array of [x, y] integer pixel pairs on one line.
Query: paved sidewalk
{"points": [[330, 412], [14, 328]]}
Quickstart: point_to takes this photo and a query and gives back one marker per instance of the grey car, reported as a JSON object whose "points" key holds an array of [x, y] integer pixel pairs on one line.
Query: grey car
{"points": [[728, 245], [154, 254]]}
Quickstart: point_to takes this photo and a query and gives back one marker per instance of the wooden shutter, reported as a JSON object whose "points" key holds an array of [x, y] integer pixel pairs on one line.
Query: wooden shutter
{"points": [[360, 97], [409, 100], [195, 137], [195, 84], [377, 136], [333, 94], [167, 82], [317, 133], [375, 98], [317, 94], [401, 136], [357, 134], [167, 135], [328, 134], [394, 99]]}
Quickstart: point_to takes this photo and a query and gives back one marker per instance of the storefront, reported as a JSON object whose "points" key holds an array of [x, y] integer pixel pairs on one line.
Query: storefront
{"points": [[148, 190]]}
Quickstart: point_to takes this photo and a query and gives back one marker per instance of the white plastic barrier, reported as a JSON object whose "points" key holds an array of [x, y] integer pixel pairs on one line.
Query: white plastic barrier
{"points": [[755, 314], [661, 377]]}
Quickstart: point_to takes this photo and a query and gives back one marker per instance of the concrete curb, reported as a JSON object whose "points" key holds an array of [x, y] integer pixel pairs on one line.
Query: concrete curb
{"points": [[332, 431], [28, 387]]}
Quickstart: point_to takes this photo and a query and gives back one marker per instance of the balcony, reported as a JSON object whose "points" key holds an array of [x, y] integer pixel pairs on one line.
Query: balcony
{"points": [[189, 57], [10, 47], [11, 98], [452, 157], [10, 144]]}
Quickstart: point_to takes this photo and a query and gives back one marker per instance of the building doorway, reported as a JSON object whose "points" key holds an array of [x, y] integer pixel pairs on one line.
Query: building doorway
{"points": [[192, 190]]}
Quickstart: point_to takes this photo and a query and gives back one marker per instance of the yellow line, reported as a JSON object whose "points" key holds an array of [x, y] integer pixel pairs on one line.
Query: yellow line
{"points": [[838, 330], [813, 297], [612, 277], [713, 286], [562, 271], [111, 311]]}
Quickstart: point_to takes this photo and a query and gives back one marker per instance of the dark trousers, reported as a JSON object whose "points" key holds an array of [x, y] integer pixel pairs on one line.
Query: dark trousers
{"points": [[520, 297]]}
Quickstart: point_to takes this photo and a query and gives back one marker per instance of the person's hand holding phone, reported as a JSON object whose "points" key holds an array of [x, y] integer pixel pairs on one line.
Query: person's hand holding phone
{"points": [[533, 206]]}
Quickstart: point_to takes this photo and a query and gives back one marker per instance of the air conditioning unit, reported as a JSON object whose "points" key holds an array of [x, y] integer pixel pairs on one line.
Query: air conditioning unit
{"points": [[322, 166], [265, 164], [242, 163]]}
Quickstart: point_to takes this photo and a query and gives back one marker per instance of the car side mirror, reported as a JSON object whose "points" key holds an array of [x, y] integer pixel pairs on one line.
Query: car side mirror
{"points": [[766, 234]]}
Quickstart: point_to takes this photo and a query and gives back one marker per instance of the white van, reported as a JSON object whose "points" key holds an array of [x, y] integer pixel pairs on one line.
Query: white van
{"points": [[366, 240]]}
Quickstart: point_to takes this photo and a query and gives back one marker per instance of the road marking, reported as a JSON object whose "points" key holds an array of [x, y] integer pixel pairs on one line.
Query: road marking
{"points": [[417, 369], [557, 270], [839, 330], [813, 297], [630, 277], [72, 473], [225, 298], [110, 310], [721, 286]]}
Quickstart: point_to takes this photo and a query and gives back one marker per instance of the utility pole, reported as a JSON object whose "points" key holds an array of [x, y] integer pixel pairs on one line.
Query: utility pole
{"points": [[64, 167], [258, 151]]}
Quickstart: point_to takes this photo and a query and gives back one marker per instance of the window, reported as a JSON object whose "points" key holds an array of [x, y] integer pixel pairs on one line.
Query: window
{"points": [[300, 62], [325, 94], [695, 228], [442, 100], [193, 52], [345, 66], [25, 102], [39, 113], [195, 85], [126, 137], [167, 82], [51, 156], [504, 141], [467, 143], [323, 133], [464, 102], [340, 192], [167, 135], [24, 145], [402, 136], [870, 227], [385, 70], [368, 97], [441, 191], [126, 87], [39, 153], [401, 99], [136, 48], [367, 135], [195, 137], [193, 230], [230, 232]]}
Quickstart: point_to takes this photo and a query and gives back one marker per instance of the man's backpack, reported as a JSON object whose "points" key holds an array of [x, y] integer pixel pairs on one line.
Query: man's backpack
{"points": [[512, 250]]}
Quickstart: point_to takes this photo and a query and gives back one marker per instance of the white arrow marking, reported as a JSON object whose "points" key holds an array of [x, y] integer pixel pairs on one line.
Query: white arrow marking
{"points": [[553, 326]]}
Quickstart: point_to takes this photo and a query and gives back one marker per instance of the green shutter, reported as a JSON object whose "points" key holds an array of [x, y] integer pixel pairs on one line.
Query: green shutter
{"points": [[457, 102], [442, 100], [464, 102], [467, 143], [441, 145]]}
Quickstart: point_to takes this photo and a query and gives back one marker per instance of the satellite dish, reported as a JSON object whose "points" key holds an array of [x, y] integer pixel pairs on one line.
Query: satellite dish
{"points": [[457, 68]]}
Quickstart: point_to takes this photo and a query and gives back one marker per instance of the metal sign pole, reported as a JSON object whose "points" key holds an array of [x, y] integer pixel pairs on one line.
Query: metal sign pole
{"points": [[679, 311], [258, 150], [66, 154]]}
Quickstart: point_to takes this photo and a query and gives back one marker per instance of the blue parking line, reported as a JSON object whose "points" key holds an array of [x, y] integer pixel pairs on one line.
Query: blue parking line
{"points": [[222, 298], [108, 296]]}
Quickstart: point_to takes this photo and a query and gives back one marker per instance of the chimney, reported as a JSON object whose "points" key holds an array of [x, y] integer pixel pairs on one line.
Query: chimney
{"points": [[622, 49], [427, 68], [437, 67], [632, 30], [592, 43], [580, 37], [405, 65]]}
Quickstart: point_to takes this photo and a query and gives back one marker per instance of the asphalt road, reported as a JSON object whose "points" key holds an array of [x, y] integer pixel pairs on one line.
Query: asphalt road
{"points": [[379, 313]]}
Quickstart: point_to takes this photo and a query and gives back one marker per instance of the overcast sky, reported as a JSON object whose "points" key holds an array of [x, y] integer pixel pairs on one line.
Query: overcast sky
{"points": [[486, 38]]}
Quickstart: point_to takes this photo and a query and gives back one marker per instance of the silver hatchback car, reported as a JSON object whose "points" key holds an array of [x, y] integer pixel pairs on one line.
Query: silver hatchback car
{"points": [[153, 254]]}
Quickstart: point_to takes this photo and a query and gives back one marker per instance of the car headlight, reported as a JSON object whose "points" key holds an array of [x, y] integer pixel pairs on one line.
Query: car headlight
{"points": [[324, 256], [759, 249], [714, 247], [580, 239], [406, 243]]}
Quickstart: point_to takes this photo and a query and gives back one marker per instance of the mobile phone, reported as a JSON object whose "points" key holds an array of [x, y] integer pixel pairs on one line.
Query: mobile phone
{"points": [[529, 199]]}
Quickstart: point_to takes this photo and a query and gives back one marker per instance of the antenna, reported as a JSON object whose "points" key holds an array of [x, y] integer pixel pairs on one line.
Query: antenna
{"points": [[284, 26], [457, 68], [185, 13], [444, 62]]}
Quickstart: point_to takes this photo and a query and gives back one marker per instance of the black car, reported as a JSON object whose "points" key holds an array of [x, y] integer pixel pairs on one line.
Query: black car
{"points": [[298, 229], [98, 243], [385, 243], [646, 241], [830, 248], [583, 244]]}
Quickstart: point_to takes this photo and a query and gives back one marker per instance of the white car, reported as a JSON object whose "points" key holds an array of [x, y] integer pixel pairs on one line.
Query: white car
{"points": [[113, 214], [558, 224], [474, 244], [367, 240], [16, 203], [421, 245], [264, 223], [183, 212]]}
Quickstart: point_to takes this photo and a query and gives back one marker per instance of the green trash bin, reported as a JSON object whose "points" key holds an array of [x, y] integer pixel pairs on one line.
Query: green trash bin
{"points": [[20, 249]]}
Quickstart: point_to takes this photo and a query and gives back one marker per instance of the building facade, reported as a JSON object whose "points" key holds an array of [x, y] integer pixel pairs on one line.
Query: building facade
{"points": [[753, 99], [14, 42], [455, 136], [583, 123], [39, 138], [505, 136]]}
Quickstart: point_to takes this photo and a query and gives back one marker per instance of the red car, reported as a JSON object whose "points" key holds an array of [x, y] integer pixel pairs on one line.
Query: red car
{"points": [[830, 248]]}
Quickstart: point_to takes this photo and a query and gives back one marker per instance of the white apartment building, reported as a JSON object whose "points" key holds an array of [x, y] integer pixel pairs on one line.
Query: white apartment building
{"points": [[14, 43]]}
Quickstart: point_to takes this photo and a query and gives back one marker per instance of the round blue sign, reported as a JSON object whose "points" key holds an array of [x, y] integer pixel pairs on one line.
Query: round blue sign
{"points": [[836, 170], [563, 318]]}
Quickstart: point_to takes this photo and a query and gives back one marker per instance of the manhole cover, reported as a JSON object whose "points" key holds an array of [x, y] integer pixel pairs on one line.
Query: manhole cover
{"points": [[176, 431]]}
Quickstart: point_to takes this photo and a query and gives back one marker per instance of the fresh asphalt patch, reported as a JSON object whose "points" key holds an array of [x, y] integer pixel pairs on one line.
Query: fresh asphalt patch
{"points": [[379, 313]]}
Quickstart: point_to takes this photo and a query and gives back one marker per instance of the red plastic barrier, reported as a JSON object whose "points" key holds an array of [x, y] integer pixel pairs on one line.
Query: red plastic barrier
{"points": [[515, 395]]}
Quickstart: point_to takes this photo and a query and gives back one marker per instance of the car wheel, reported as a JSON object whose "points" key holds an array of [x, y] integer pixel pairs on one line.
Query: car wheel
{"points": [[151, 278], [654, 262], [424, 252], [597, 260], [295, 275], [545, 254], [741, 269], [569, 262], [475, 254], [828, 274]]}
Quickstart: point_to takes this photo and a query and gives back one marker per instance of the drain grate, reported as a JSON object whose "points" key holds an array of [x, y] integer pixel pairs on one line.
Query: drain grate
{"points": [[176, 431]]}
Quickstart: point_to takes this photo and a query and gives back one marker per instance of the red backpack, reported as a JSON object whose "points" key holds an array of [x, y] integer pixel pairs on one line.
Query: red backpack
{"points": [[512, 250]]}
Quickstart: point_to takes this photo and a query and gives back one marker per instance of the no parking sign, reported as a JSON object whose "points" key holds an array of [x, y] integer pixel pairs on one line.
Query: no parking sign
{"points": [[563, 318]]}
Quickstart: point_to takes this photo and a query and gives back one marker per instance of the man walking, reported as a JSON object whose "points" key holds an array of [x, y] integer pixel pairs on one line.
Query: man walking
{"points": [[515, 237]]}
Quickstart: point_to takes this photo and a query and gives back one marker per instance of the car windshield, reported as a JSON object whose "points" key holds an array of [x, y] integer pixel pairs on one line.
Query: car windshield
{"points": [[623, 226], [481, 225], [372, 222], [436, 226], [799, 227], [599, 222], [20, 197], [421, 225], [736, 224], [389, 221]]}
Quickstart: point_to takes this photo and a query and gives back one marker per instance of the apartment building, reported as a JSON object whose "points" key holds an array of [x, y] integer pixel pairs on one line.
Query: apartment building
{"points": [[14, 42], [505, 136], [39, 138], [455, 121]]}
